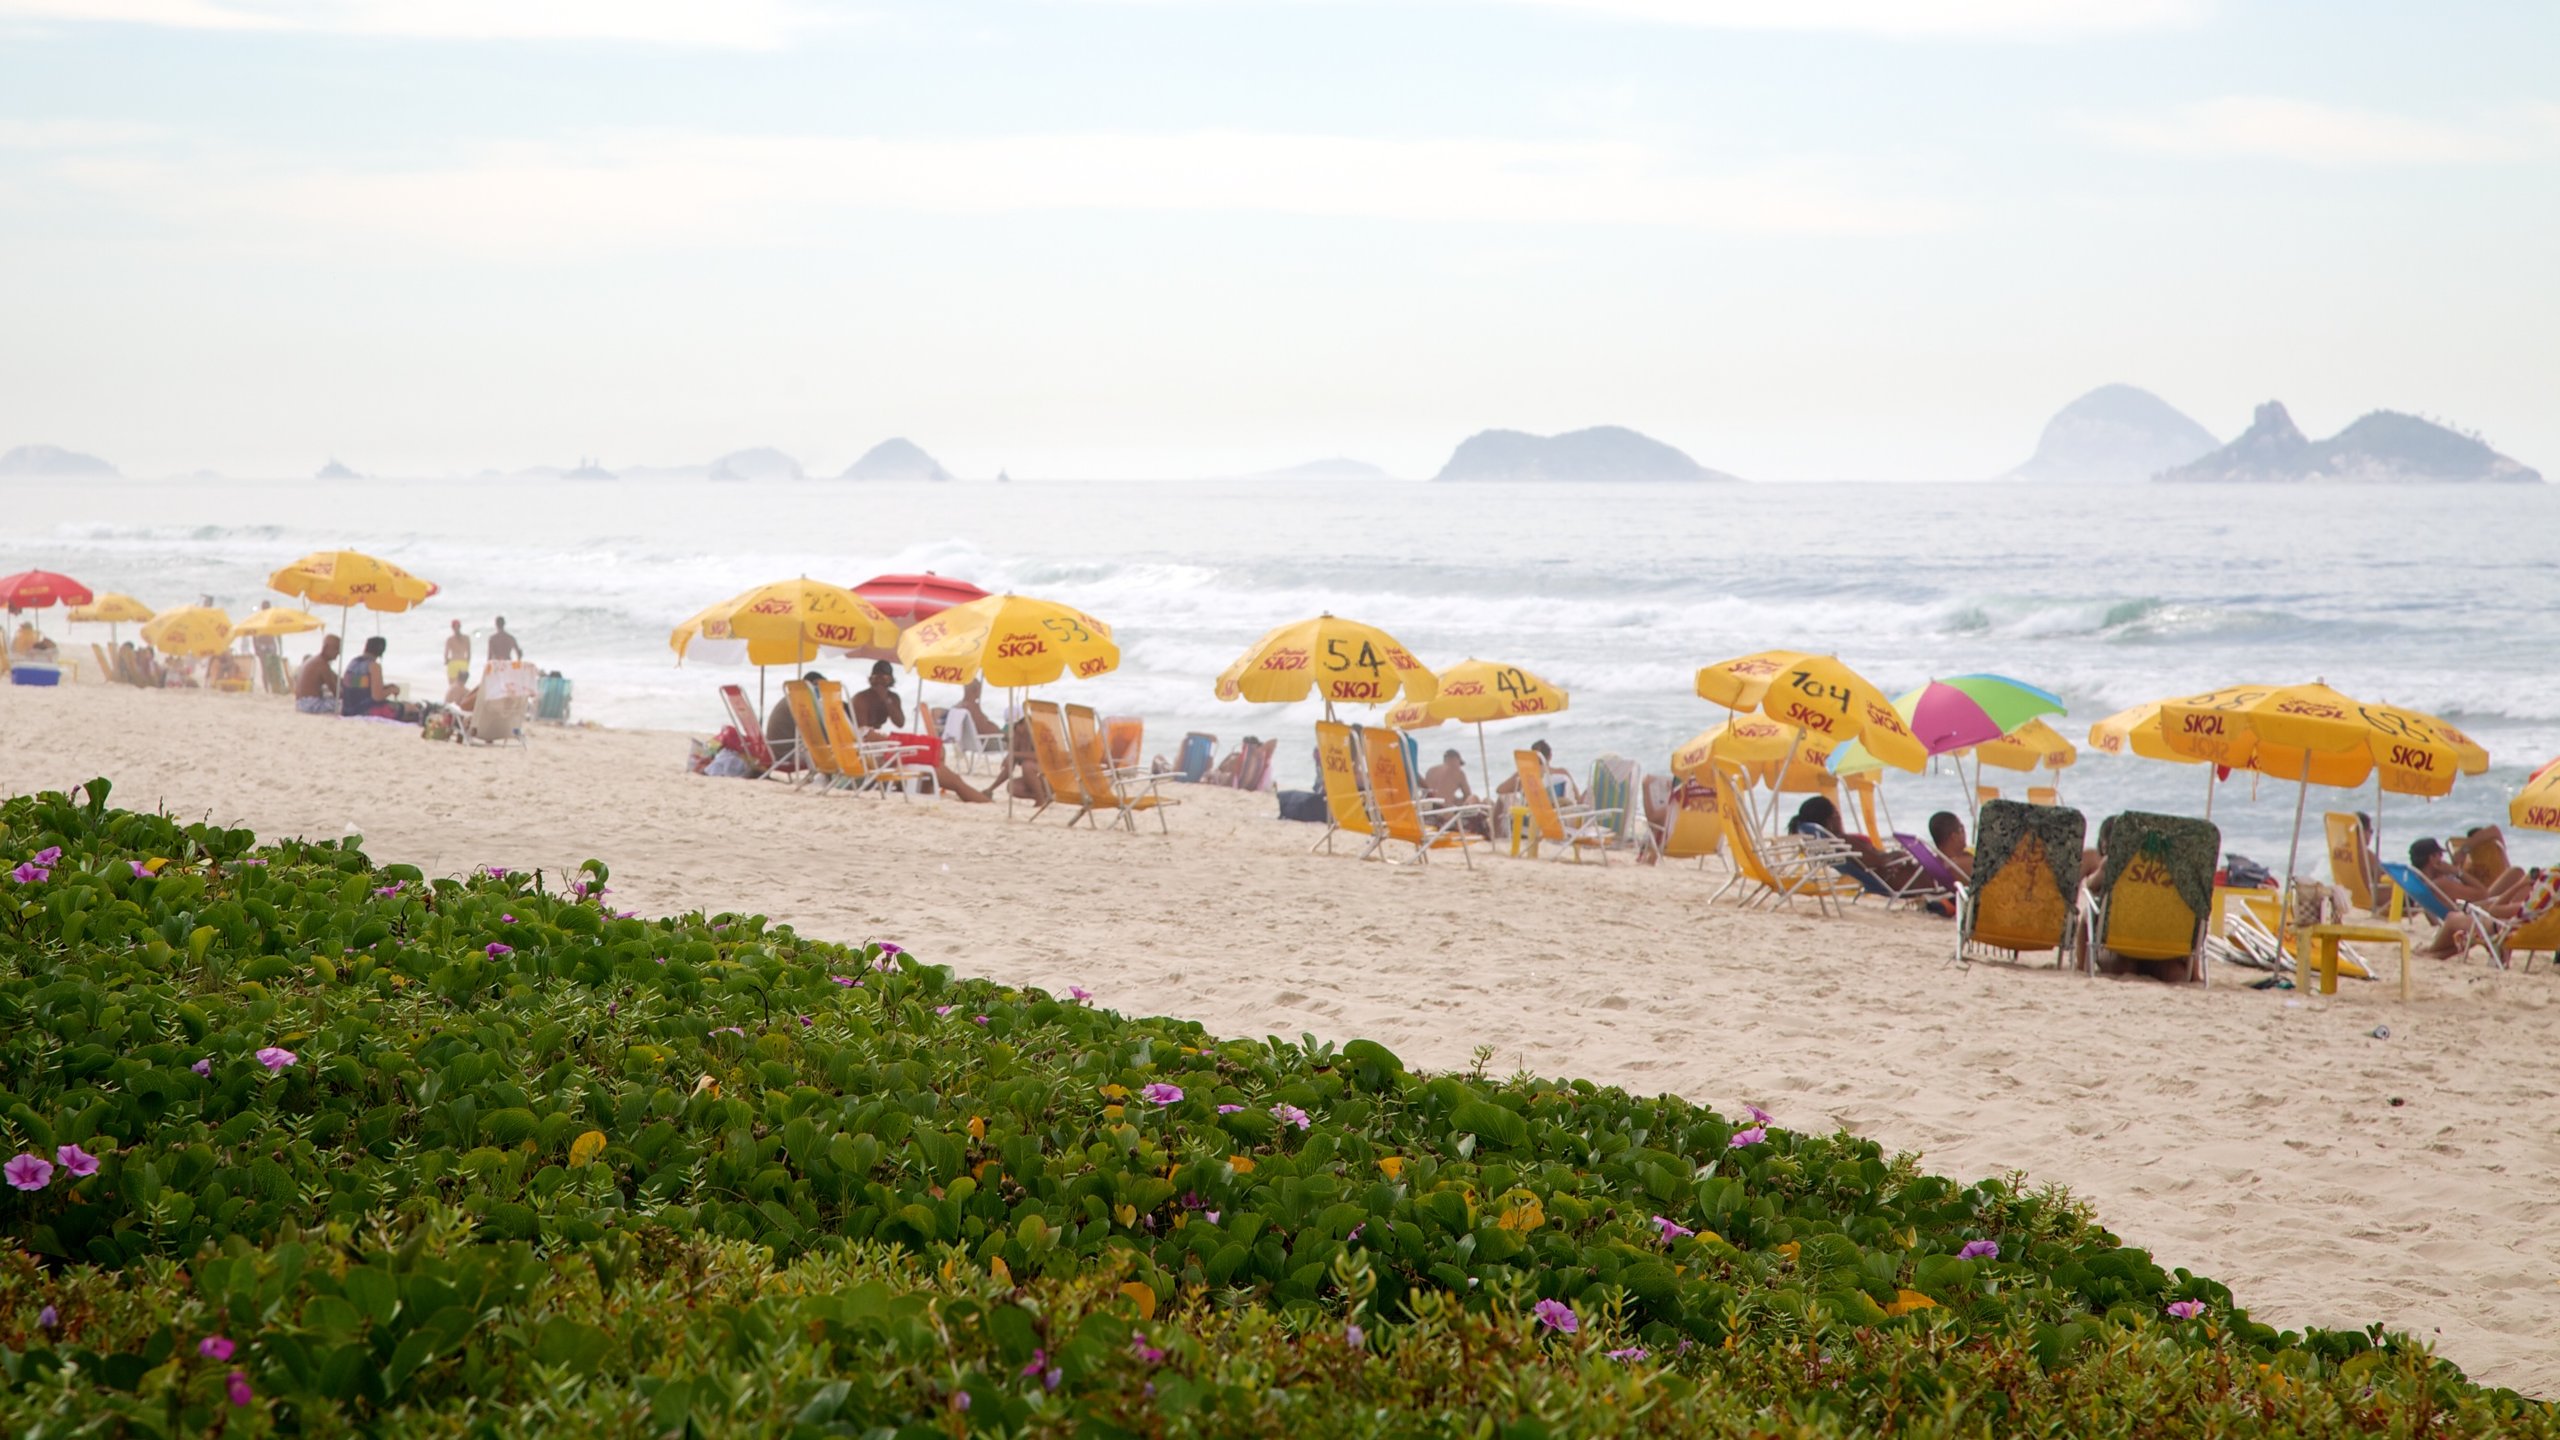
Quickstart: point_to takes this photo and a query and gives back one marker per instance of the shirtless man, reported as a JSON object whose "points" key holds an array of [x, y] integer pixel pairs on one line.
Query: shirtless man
{"points": [[877, 711], [315, 686], [457, 654], [502, 646], [1447, 785]]}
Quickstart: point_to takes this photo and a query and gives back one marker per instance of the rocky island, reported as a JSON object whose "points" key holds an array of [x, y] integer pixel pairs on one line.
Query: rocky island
{"points": [[1602, 453]]}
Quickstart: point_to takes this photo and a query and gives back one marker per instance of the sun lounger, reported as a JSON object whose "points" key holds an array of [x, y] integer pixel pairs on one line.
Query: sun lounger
{"points": [[1784, 873], [1941, 875], [1401, 818], [1346, 802], [1124, 741], [742, 717], [1576, 827], [1128, 791], [2152, 898], [2504, 938], [1920, 889], [1057, 755], [2024, 894], [869, 766]]}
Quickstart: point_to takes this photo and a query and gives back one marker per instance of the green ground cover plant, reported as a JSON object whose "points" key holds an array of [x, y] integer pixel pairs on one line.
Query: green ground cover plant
{"points": [[298, 1143]]}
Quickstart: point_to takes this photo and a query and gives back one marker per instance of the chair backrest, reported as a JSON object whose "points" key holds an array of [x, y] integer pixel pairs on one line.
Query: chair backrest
{"points": [[1057, 752], [808, 724], [509, 679], [496, 719], [1692, 825], [1535, 794], [1390, 785], [106, 667], [1616, 785], [2348, 859], [1931, 863], [750, 729], [1985, 794], [1743, 843], [2026, 875], [2264, 908], [1199, 751], [2044, 794], [2419, 889], [2155, 889], [1124, 739], [553, 703], [1254, 773], [844, 737], [1093, 767], [1338, 761]]}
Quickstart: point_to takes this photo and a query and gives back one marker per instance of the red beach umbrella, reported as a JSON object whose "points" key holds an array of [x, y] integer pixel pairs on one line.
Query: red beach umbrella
{"points": [[910, 598], [36, 589]]}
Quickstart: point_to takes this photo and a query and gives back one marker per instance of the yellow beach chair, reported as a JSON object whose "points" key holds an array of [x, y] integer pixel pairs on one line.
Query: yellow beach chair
{"points": [[1691, 827], [2152, 899], [1338, 756], [872, 766], [106, 667], [1127, 790], [2351, 864], [1783, 873], [1057, 752], [812, 754], [1576, 828], [1400, 817], [2024, 894], [2044, 794]]}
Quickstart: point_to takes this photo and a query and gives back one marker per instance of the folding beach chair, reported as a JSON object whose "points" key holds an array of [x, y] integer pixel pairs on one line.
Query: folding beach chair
{"points": [[1617, 794], [1575, 827], [2153, 895], [498, 719], [2044, 794], [2351, 865], [742, 717], [2527, 933], [872, 767], [811, 745], [1920, 889], [2025, 890], [1253, 770], [1346, 803], [1128, 791], [1199, 752], [1057, 754], [106, 667], [1798, 868], [1400, 816], [1692, 826], [2420, 890]]}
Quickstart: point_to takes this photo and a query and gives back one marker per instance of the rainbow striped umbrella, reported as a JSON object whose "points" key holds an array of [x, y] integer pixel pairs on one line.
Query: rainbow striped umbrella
{"points": [[1957, 712]]}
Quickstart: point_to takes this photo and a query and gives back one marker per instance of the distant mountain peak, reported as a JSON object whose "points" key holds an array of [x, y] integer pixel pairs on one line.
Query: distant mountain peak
{"points": [[896, 459], [2383, 447], [53, 462], [336, 471], [1601, 453], [587, 469], [2115, 433], [760, 462]]}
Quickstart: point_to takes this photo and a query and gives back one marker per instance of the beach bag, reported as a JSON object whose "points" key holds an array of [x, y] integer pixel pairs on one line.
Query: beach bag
{"points": [[2242, 873], [441, 723], [1306, 805]]}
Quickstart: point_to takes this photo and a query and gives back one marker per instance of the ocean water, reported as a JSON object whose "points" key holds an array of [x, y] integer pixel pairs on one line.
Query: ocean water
{"points": [[2107, 596]]}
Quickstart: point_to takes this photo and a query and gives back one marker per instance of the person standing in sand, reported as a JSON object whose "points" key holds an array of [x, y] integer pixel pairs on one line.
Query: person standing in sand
{"points": [[502, 646], [457, 654]]}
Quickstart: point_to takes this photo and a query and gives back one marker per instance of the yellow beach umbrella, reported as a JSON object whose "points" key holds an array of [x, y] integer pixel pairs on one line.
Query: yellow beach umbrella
{"points": [[278, 620], [1009, 641], [1336, 659], [2032, 746], [351, 578], [788, 622], [112, 611], [2537, 805], [1412, 715], [1818, 695], [1479, 692], [189, 630], [1762, 752]]}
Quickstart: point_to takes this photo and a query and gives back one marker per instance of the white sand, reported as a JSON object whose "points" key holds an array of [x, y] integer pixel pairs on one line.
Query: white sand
{"points": [[2246, 1135]]}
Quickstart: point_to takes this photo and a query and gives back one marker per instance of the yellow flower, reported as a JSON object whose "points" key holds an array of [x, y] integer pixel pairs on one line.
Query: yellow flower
{"points": [[1393, 1165], [1906, 1301]]}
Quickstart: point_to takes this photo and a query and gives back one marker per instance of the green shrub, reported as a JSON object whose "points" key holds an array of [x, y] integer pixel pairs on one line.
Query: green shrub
{"points": [[425, 1147]]}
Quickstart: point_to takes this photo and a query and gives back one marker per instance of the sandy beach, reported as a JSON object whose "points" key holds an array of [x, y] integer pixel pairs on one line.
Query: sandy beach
{"points": [[2266, 1138]]}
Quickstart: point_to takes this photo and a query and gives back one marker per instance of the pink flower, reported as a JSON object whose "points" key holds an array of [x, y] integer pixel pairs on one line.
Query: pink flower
{"points": [[1210, 1215], [48, 1318], [495, 872], [1290, 1115], [28, 1172], [30, 873], [140, 870], [806, 1022], [1556, 1315], [845, 980], [1161, 1094], [1039, 1362], [981, 1019], [216, 1347], [1631, 1352], [888, 949], [497, 951], [1138, 1346], [960, 1400], [944, 1009], [1229, 1109], [76, 1160], [237, 1387], [1354, 1337], [1671, 1229], [202, 1067], [1759, 1115], [276, 1057], [48, 855], [1079, 994], [1979, 1250], [506, 919], [394, 888], [2185, 1309], [1752, 1136], [730, 1030]]}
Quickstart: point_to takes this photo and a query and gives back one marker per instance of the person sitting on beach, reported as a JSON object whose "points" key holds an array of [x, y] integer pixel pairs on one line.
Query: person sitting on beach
{"points": [[2429, 859], [970, 705], [315, 685], [1020, 774], [1230, 770], [1445, 784], [460, 693], [1820, 818], [876, 705], [2539, 896], [361, 689], [23, 644], [2481, 851], [1946, 836]]}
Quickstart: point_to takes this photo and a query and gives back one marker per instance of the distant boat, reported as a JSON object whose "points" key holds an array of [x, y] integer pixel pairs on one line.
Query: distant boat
{"points": [[588, 470]]}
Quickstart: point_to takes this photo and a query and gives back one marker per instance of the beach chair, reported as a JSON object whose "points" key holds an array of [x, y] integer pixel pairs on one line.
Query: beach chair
{"points": [[552, 699], [106, 667], [1403, 818], [1942, 876], [2503, 939], [1124, 741], [742, 717], [2024, 894], [1199, 752], [811, 745], [1128, 791], [1783, 873], [2044, 794], [1253, 771], [497, 719], [865, 766], [2351, 864], [2420, 891], [1617, 792], [1921, 889], [1056, 751], [1575, 827], [1984, 795], [1691, 828], [1346, 802], [2152, 898]]}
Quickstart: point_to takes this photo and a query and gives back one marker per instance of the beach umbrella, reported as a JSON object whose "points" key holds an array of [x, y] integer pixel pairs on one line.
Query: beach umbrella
{"points": [[2313, 735], [2135, 730], [37, 589], [1330, 657], [189, 630], [277, 620], [1479, 692], [113, 611], [1815, 695], [1012, 642], [1951, 716], [1412, 715], [2537, 805], [787, 623], [2032, 746], [1762, 752], [910, 598], [349, 579]]}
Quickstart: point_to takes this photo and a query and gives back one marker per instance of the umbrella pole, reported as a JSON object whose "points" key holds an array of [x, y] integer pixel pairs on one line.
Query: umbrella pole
{"points": [[2375, 839], [1011, 711], [1484, 758], [2208, 789], [2301, 802]]}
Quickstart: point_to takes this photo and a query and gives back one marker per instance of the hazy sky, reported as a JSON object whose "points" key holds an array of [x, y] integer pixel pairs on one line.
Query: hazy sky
{"points": [[1802, 239]]}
